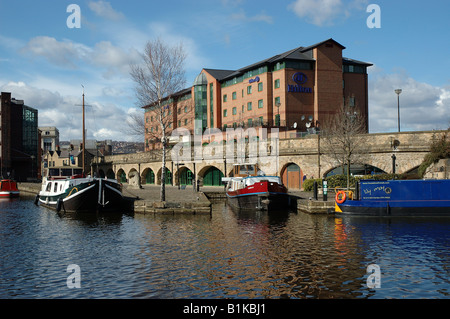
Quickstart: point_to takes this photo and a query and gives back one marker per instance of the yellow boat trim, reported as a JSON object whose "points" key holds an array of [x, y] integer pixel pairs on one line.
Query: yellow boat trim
{"points": [[72, 191], [337, 209]]}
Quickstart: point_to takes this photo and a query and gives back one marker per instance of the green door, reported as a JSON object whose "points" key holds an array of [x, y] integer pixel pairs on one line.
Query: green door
{"points": [[213, 177], [186, 177], [150, 177]]}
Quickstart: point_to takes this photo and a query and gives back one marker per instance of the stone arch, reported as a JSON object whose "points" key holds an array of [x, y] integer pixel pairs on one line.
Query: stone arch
{"points": [[184, 176], [148, 176], [168, 178], [355, 169], [101, 173], [211, 176], [121, 176], [292, 176], [110, 174]]}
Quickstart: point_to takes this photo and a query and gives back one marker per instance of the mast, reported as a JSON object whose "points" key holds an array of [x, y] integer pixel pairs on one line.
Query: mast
{"points": [[84, 137]]}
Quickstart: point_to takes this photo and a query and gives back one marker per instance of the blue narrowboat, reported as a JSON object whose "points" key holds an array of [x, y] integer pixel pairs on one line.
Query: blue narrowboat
{"points": [[396, 198]]}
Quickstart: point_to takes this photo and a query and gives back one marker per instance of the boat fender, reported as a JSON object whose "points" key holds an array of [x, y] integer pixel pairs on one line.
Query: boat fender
{"points": [[341, 197], [36, 200], [59, 204]]}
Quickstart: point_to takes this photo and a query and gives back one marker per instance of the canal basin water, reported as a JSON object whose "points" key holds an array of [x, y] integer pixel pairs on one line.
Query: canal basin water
{"points": [[226, 255]]}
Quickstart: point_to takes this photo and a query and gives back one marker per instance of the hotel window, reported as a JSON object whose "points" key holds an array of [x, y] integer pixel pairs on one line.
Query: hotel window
{"points": [[261, 120], [179, 111], [242, 108], [225, 113], [179, 123], [250, 122], [277, 101], [277, 83], [249, 89], [185, 109], [151, 119], [224, 97], [234, 96], [185, 121], [277, 120], [260, 86], [260, 104], [351, 101], [234, 111], [249, 106]]}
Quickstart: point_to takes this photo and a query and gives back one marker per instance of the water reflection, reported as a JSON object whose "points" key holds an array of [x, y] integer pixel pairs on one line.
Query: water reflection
{"points": [[229, 254]]}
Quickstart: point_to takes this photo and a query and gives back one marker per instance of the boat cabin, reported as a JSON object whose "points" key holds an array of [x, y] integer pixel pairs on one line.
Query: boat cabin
{"points": [[244, 170]]}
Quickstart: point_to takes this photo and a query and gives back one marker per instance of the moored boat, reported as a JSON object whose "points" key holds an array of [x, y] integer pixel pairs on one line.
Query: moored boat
{"points": [[81, 194], [78, 193], [396, 198], [250, 189], [8, 188]]}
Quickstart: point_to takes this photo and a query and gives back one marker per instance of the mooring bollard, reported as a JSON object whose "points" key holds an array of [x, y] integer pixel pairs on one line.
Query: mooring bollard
{"points": [[315, 190]]}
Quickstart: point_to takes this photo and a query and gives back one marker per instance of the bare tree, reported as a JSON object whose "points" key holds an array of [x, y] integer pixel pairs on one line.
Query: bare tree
{"points": [[135, 125], [343, 137], [160, 76]]}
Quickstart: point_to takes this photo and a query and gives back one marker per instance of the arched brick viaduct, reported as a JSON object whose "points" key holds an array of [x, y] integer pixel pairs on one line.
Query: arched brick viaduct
{"points": [[408, 147]]}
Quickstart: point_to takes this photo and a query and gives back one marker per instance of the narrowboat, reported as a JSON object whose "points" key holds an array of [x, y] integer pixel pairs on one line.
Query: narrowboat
{"points": [[396, 198], [8, 189], [250, 189], [80, 194]]}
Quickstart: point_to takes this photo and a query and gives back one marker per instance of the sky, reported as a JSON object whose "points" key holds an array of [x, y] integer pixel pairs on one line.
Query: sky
{"points": [[46, 57]]}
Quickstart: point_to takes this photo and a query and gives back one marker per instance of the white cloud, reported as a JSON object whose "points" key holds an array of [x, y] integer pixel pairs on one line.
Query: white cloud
{"points": [[103, 120], [324, 12], [422, 106], [105, 10], [68, 54], [262, 17], [62, 53]]}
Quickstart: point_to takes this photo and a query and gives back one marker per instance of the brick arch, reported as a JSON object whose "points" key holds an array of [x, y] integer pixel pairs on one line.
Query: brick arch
{"points": [[292, 175], [148, 176], [216, 174]]}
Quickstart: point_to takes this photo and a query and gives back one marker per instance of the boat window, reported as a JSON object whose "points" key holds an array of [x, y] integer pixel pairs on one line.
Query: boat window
{"points": [[56, 187], [49, 187], [251, 169], [243, 169]]}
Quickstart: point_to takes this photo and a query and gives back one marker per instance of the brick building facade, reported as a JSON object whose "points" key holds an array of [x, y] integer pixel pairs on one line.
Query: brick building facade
{"points": [[19, 139], [295, 91]]}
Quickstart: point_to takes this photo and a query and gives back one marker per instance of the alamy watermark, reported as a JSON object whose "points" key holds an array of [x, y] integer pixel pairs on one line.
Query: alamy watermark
{"points": [[374, 278], [74, 19], [235, 145], [74, 279], [374, 19]]}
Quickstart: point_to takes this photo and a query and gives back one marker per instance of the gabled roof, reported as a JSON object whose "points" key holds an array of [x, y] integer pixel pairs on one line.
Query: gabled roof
{"points": [[219, 74], [351, 61]]}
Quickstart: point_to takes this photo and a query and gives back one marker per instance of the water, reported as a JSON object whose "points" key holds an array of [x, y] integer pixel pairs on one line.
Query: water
{"points": [[226, 255]]}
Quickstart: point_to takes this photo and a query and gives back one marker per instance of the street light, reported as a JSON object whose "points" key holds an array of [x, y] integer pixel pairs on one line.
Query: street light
{"points": [[398, 91]]}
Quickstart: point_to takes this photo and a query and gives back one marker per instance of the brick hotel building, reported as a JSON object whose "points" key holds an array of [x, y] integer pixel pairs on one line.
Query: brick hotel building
{"points": [[295, 91]]}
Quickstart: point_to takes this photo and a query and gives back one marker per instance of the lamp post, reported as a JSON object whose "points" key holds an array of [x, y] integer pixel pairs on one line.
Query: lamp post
{"points": [[398, 91]]}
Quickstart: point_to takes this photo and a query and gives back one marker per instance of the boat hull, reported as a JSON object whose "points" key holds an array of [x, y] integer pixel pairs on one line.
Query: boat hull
{"points": [[394, 209], [9, 194], [262, 195], [263, 201], [94, 196], [399, 198], [8, 189]]}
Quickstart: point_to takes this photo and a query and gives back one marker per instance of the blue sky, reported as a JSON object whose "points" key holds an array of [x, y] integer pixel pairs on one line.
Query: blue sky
{"points": [[44, 62]]}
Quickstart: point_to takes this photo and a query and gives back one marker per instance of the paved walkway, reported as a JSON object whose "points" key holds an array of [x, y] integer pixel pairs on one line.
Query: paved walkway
{"points": [[173, 194]]}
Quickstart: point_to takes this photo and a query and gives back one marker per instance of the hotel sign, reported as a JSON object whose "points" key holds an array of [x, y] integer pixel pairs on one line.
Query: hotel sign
{"points": [[299, 78], [254, 80]]}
